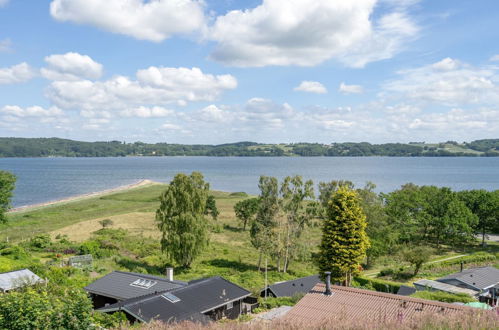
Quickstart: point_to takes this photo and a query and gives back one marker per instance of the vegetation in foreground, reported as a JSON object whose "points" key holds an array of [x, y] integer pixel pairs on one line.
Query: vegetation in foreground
{"points": [[55, 147], [478, 320]]}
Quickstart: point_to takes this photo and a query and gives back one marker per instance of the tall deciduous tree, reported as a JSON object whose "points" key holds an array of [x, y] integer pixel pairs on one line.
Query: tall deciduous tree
{"points": [[295, 194], [344, 239], [485, 205], [7, 184], [180, 217], [246, 210], [430, 214], [262, 229], [381, 232]]}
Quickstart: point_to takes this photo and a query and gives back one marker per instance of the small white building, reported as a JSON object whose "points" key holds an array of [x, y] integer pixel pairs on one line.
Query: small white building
{"points": [[17, 279]]}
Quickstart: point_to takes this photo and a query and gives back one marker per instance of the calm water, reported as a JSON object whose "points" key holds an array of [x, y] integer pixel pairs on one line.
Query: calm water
{"points": [[45, 179]]}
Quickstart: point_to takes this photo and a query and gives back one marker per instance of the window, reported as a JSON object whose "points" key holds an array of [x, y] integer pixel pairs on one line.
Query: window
{"points": [[170, 297], [143, 283], [230, 305]]}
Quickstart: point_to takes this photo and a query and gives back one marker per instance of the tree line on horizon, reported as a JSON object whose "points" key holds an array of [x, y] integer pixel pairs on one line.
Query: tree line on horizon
{"points": [[56, 147]]}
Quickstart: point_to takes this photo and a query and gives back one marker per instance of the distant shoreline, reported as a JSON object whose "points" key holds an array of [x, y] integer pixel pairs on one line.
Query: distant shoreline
{"points": [[56, 147], [31, 207]]}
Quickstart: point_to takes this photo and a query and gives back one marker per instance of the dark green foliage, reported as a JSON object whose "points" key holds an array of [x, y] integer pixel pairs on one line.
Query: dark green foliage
{"points": [[246, 210], [273, 302], [485, 206], [7, 184], [45, 308], [430, 214], [376, 284], [417, 256], [344, 240], [180, 218], [106, 223], [211, 207], [45, 147], [40, 242], [443, 296]]}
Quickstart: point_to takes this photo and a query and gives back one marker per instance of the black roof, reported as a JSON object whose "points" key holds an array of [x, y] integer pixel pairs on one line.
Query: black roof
{"points": [[405, 290], [119, 285], [479, 278], [290, 288], [193, 300]]}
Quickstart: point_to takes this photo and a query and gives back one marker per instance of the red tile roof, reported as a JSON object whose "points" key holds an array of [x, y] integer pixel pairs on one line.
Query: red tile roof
{"points": [[353, 303]]}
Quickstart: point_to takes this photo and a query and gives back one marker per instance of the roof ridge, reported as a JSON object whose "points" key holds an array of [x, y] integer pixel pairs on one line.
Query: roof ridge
{"points": [[155, 277]]}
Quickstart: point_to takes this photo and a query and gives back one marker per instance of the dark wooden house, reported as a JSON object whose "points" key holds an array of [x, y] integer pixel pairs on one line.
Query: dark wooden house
{"points": [[203, 300], [119, 286]]}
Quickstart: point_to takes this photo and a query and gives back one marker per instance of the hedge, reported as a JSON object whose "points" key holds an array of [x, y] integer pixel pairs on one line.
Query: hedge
{"points": [[376, 284]]}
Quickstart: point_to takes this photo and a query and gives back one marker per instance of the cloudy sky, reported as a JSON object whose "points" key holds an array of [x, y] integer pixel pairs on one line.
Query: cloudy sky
{"points": [[218, 71]]}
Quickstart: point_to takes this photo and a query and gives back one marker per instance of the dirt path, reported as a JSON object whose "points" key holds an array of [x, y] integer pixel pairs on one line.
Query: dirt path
{"points": [[84, 196]]}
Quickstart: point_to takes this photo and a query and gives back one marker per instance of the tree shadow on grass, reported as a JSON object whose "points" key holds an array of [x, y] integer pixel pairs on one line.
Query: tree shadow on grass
{"points": [[232, 228], [233, 264], [139, 266]]}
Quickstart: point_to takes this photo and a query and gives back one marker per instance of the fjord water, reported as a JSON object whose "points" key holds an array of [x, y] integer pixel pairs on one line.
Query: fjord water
{"points": [[44, 179]]}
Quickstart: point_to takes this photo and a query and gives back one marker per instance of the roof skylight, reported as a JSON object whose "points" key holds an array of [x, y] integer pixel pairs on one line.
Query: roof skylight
{"points": [[170, 297], [143, 283]]}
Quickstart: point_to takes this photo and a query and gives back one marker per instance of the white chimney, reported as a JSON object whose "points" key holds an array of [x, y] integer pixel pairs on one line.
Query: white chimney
{"points": [[169, 273]]}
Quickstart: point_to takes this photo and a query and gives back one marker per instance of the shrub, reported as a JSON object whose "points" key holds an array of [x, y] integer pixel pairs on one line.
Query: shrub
{"points": [[272, 302], [106, 223], [443, 296], [110, 321], [40, 242], [238, 194], [376, 284], [39, 308], [14, 252]]}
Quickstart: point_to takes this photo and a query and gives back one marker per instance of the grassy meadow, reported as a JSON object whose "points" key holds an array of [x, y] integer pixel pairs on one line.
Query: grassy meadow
{"points": [[133, 237], [131, 243]]}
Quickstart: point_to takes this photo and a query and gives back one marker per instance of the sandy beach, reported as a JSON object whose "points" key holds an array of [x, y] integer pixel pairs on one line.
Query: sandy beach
{"points": [[84, 196]]}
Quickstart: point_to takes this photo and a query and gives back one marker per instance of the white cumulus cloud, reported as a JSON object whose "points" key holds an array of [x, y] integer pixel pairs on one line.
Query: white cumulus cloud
{"points": [[147, 112], [146, 20], [311, 87], [448, 82], [155, 86], [350, 89], [495, 58], [71, 66], [33, 111], [16, 74], [309, 32], [3, 2]]}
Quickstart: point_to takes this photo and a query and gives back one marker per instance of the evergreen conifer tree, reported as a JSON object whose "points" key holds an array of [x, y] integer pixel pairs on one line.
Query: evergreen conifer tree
{"points": [[344, 239]]}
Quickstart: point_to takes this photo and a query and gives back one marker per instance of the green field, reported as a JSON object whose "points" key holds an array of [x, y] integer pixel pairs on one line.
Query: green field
{"points": [[132, 242], [229, 254]]}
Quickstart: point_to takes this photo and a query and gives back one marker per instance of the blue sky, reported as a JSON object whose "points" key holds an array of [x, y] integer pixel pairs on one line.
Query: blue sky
{"points": [[219, 71]]}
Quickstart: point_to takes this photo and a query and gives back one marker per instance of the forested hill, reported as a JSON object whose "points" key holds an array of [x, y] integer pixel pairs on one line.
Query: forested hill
{"points": [[55, 147]]}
